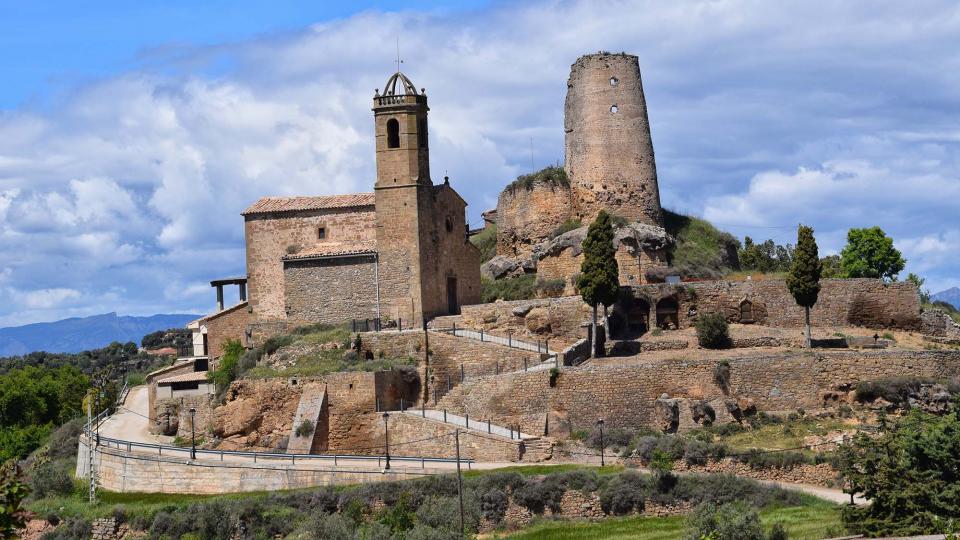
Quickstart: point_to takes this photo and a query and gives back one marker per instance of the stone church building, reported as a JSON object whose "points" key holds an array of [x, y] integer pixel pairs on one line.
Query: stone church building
{"points": [[400, 253]]}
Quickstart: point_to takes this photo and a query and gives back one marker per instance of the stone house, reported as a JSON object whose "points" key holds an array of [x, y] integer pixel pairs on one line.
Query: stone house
{"points": [[398, 254]]}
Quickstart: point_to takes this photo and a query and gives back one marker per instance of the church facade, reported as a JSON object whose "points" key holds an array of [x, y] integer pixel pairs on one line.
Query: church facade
{"points": [[398, 254]]}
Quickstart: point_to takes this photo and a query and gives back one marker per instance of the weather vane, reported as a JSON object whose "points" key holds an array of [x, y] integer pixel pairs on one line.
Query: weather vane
{"points": [[399, 61]]}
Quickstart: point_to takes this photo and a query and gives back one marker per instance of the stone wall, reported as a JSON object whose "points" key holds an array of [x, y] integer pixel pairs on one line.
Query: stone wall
{"points": [[608, 149], [526, 217], [782, 382], [270, 237], [330, 290], [633, 268], [407, 432], [225, 325], [842, 302], [938, 323], [135, 472], [560, 319]]}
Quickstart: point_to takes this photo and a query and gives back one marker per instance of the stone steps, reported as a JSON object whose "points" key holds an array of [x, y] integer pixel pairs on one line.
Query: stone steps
{"points": [[312, 402], [538, 449]]}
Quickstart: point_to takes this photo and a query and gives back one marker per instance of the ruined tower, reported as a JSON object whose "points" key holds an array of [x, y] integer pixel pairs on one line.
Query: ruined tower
{"points": [[609, 152]]}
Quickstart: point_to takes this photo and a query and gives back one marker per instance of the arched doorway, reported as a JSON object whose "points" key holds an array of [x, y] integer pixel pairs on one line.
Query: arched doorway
{"points": [[668, 314], [638, 318]]}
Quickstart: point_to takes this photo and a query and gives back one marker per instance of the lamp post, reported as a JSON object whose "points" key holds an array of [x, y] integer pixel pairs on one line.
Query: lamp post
{"points": [[386, 435], [193, 437], [600, 425]]}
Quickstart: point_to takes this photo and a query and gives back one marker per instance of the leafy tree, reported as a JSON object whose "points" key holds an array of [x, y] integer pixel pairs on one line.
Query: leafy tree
{"points": [[869, 253], [918, 283], [910, 472], [12, 493], [599, 281], [227, 369], [831, 267], [804, 278], [765, 257]]}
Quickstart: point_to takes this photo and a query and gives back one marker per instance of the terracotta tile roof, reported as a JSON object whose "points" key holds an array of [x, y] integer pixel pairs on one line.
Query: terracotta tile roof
{"points": [[196, 376], [333, 250], [320, 202]]}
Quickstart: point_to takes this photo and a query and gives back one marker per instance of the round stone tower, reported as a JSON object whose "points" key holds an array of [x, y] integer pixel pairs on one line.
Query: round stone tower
{"points": [[609, 153]]}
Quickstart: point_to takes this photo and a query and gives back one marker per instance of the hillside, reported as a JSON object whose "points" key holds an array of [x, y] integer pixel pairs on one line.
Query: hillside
{"points": [[950, 296], [79, 334], [702, 250]]}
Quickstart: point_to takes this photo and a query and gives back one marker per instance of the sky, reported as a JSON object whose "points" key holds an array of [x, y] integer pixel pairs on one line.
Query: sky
{"points": [[132, 134]]}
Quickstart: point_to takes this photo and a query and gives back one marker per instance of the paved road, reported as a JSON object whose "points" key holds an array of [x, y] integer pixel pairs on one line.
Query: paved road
{"points": [[131, 423]]}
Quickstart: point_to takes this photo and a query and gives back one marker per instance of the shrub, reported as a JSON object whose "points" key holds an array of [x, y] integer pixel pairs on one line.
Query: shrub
{"points": [[712, 331], [581, 480], [49, 479], [305, 428], [721, 374], [697, 453], [624, 494], [64, 439], [615, 437], [733, 521], [550, 288], [540, 494], [550, 176], [566, 226], [493, 505], [517, 288]]}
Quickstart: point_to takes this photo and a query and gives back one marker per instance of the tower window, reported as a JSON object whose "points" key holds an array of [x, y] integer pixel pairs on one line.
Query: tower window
{"points": [[449, 224], [421, 133], [614, 109], [321, 233], [393, 133], [614, 81]]}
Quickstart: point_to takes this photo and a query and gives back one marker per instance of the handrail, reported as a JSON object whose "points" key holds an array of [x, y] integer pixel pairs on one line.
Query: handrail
{"points": [[119, 443], [537, 347], [122, 396]]}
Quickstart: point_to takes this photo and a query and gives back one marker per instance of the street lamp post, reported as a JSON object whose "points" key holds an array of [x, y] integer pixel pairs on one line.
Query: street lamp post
{"points": [[193, 436], [386, 435], [600, 425]]}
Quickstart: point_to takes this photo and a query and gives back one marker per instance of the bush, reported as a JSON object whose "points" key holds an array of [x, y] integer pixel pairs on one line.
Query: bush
{"points": [[48, 480], [551, 288], [517, 288], [486, 242], [733, 521], [615, 437], [624, 494], [305, 428], [712, 331], [538, 495], [64, 439], [493, 505], [566, 226], [550, 176]]}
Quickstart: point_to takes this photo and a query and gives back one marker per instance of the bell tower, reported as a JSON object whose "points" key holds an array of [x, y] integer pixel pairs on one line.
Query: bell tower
{"points": [[400, 115], [404, 198]]}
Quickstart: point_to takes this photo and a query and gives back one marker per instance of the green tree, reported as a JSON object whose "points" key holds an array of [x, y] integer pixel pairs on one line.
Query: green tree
{"points": [[599, 281], [831, 267], [869, 253], [228, 367], [804, 278], [765, 257], [12, 493], [918, 283], [910, 472]]}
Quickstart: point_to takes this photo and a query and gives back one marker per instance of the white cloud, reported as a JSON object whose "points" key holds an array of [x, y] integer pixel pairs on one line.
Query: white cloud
{"points": [[763, 115], [43, 298]]}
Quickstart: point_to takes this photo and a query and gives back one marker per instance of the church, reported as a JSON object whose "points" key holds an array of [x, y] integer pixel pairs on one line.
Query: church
{"points": [[399, 254]]}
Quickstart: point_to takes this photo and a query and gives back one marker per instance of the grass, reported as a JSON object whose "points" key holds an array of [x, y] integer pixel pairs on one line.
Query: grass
{"points": [[76, 504], [486, 242], [702, 250], [813, 522], [789, 434], [535, 470], [550, 176], [518, 288]]}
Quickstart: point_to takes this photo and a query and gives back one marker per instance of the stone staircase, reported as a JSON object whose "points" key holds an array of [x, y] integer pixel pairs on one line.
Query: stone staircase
{"points": [[538, 449], [312, 402]]}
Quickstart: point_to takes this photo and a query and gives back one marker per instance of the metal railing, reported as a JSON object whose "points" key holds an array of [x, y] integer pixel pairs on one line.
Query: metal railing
{"points": [[540, 346], [486, 426], [161, 450]]}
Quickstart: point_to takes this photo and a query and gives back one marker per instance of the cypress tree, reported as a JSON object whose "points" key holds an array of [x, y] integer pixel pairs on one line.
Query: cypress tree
{"points": [[599, 280], [804, 278]]}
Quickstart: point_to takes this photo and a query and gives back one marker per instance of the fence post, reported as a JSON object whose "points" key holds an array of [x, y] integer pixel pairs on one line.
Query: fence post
{"points": [[510, 339], [454, 328], [399, 324], [435, 400], [546, 345], [448, 382], [524, 363], [377, 404], [497, 366], [467, 416], [461, 373], [444, 416], [481, 335], [511, 433], [353, 325], [423, 407], [401, 405], [488, 426]]}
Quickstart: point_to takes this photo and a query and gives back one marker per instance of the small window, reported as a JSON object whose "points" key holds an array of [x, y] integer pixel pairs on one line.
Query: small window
{"points": [[321, 233], [614, 81], [614, 109], [449, 224], [422, 133], [393, 133]]}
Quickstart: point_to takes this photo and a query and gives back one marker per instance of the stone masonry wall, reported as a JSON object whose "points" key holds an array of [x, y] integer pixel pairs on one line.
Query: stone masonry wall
{"points": [[330, 290], [559, 319], [780, 382], [632, 268], [269, 237], [228, 324], [405, 428], [608, 149], [526, 217]]}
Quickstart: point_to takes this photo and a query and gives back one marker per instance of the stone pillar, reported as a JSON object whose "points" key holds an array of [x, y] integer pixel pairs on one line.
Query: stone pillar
{"points": [[243, 291], [219, 297]]}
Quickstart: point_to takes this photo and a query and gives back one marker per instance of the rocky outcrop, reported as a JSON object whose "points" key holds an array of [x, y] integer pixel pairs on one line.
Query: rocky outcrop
{"points": [[639, 237], [257, 415], [501, 267]]}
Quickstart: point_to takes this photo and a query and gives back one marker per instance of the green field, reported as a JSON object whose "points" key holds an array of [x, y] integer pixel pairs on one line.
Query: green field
{"points": [[814, 522]]}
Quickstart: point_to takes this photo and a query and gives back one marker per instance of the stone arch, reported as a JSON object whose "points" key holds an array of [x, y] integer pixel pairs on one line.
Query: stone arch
{"points": [[668, 310], [746, 315], [393, 133]]}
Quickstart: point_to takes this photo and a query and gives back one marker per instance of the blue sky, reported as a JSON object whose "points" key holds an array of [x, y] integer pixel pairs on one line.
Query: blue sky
{"points": [[133, 134]]}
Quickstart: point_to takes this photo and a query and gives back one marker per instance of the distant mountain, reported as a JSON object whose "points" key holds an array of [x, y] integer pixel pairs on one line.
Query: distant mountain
{"points": [[950, 296], [84, 333]]}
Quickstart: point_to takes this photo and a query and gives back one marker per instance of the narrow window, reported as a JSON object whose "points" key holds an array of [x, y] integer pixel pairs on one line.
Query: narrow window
{"points": [[614, 81], [393, 133], [422, 133], [321, 233], [614, 109]]}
